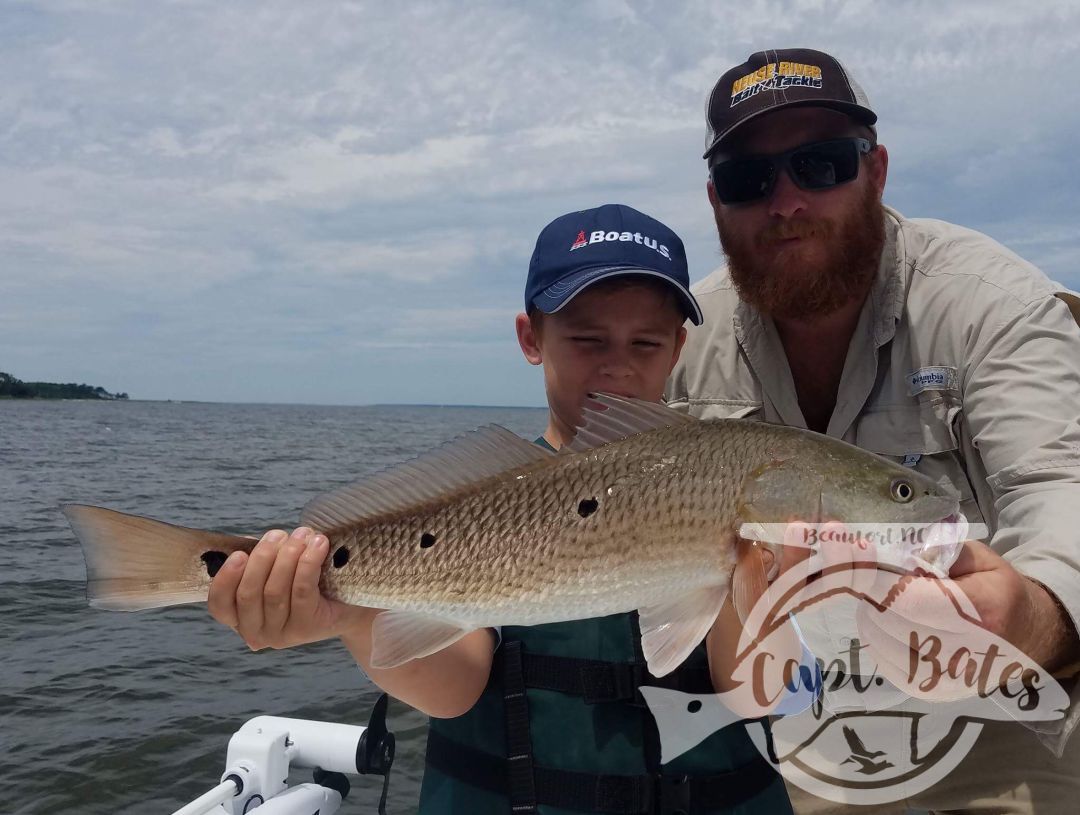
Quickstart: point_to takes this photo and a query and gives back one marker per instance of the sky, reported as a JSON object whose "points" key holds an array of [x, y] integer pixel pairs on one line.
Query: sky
{"points": [[335, 203]]}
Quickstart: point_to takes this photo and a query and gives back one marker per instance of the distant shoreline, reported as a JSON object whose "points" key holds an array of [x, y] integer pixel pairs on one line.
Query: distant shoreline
{"points": [[14, 388], [125, 398]]}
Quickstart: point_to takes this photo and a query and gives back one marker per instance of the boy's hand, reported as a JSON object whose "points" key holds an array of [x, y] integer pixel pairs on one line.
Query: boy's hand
{"points": [[271, 597]]}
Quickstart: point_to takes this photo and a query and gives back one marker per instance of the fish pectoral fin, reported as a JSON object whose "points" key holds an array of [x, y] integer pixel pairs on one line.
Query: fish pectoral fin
{"points": [[750, 581], [398, 636], [671, 630]]}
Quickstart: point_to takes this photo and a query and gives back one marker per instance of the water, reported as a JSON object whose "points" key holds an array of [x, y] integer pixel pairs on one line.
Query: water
{"points": [[106, 712]]}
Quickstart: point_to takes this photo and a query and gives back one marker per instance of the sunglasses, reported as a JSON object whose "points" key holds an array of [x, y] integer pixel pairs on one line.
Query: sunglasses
{"points": [[818, 166]]}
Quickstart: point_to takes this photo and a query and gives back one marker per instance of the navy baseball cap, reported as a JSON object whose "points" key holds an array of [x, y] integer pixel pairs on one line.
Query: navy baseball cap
{"points": [[582, 248]]}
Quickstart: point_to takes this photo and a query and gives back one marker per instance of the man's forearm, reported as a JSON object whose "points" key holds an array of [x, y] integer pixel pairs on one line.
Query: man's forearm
{"points": [[1056, 643]]}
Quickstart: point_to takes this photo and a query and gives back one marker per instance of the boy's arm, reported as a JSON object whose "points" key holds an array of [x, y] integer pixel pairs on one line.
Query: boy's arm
{"points": [[723, 643], [271, 598], [737, 678]]}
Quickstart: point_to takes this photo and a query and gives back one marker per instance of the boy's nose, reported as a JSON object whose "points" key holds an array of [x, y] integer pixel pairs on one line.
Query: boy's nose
{"points": [[616, 366]]}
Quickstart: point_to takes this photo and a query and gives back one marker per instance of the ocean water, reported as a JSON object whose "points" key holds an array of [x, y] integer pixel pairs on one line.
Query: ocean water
{"points": [[109, 712]]}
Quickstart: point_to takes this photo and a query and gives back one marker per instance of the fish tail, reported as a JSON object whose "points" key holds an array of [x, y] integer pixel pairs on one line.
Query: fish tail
{"points": [[134, 563]]}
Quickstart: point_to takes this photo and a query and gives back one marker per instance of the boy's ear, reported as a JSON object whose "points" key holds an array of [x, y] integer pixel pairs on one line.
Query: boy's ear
{"points": [[528, 339], [680, 341]]}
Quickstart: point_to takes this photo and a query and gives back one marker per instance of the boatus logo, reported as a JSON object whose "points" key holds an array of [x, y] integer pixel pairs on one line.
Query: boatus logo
{"points": [[599, 236], [775, 76]]}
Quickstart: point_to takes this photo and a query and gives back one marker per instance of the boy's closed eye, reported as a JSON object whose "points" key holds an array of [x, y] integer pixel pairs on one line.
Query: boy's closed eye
{"points": [[643, 344]]}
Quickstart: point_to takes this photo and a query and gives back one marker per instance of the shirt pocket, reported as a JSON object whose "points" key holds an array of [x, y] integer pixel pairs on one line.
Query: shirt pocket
{"points": [[925, 438]]}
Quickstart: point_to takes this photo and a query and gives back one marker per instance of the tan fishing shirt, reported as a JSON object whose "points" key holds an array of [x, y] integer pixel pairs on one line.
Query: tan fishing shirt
{"points": [[965, 365]]}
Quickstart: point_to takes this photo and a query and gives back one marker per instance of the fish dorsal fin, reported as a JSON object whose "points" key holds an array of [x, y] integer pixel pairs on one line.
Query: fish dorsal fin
{"points": [[608, 418], [477, 456]]}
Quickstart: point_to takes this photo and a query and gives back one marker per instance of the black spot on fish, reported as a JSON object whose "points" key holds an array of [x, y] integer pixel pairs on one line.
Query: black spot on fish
{"points": [[214, 561], [341, 557], [427, 540], [694, 706], [587, 507]]}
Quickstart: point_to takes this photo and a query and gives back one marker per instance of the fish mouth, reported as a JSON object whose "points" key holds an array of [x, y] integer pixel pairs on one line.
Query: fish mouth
{"points": [[940, 543]]}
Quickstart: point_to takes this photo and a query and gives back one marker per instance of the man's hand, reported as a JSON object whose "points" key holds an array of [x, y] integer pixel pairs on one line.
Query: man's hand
{"points": [[1015, 607], [271, 597], [984, 599]]}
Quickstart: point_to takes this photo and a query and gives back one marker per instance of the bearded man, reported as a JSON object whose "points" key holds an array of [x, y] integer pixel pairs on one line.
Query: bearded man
{"points": [[927, 343]]}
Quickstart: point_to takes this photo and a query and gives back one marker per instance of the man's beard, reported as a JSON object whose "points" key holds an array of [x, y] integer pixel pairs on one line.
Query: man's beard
{"points": [[852, 252]]}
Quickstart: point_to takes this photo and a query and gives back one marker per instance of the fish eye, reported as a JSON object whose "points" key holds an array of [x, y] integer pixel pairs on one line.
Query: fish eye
{"points": [[902, 491]]}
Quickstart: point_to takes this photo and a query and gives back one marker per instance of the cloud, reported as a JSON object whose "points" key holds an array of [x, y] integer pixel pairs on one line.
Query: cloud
{"points": [[331, 172], [438, 256]]}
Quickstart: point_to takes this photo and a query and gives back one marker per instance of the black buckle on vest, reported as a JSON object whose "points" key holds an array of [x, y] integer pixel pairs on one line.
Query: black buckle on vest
{"points": [[614, 682], [671, 794]]}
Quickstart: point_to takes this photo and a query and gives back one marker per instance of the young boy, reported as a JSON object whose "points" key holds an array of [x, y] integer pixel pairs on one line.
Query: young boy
{"points": [[551, 720]]}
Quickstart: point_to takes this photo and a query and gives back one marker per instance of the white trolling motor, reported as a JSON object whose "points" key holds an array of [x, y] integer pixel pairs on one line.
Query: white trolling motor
{"points": [[263, 750]]}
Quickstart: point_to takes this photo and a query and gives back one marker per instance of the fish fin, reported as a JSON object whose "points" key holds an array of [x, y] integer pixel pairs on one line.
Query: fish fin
{"points": [[398, 636], [134, 563], [749, 582], [671, 630], [608, 418], [477, 456]]}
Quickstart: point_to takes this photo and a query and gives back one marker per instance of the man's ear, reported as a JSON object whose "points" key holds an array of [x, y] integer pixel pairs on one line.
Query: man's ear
{"points": [[711, 190], [528, 339], [879, 168]]}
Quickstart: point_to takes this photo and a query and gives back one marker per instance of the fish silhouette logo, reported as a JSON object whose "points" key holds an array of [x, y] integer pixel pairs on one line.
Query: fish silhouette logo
{"points": [[888, 718], [579, 241]]}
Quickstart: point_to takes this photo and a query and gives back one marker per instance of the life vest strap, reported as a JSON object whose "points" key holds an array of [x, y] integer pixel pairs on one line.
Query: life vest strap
{"points": [[598, 681], [518, 766], [655, 794]]}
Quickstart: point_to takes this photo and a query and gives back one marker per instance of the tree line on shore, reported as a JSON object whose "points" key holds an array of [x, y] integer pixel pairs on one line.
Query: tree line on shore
{"points": [[14, 388]]}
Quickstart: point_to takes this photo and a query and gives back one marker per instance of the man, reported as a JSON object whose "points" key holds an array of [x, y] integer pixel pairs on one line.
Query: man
{"points": [[916, 339]]}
